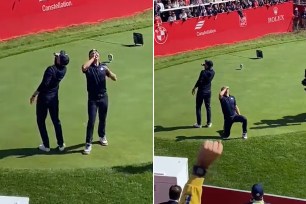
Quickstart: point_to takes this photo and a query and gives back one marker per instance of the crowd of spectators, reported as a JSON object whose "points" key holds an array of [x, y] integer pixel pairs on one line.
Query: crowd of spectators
{"points": [[299, 20], [198, 8]]}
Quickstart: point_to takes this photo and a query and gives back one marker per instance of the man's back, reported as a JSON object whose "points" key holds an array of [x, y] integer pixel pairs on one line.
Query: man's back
{"points": [[50, 84], [204, 82]]}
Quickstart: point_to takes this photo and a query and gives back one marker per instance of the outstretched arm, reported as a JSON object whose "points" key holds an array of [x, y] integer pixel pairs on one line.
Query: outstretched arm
{"points": [[43, 85], [199, 81], [111, 75], [209, 152]]}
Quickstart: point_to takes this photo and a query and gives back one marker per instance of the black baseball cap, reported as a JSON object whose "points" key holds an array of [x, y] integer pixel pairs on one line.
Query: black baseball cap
{"points": [[64, 58], [257, 191], [91, 51], [209, 63]]}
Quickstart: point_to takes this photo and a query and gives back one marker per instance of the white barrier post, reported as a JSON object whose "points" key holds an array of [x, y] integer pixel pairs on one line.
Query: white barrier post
{"points": [[14, 200], [168, 171]]}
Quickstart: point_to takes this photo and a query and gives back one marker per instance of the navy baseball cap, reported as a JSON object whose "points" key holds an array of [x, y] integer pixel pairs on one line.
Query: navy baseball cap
{"points": [[209, 63], [64, 58], [257, 191], [91, 51]]}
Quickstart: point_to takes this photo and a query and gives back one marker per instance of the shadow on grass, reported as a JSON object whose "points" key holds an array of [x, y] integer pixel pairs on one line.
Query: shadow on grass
{"points": [[27, 152], [117, 43], [220, 132], [103, 41], [285, 121], [130, 45], [159, 128], [135, 169], [182, 138], [237, 55]]}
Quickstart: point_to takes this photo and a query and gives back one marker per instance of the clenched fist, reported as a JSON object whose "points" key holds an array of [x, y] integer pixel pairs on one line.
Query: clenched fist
{"points": [[209, 152]]}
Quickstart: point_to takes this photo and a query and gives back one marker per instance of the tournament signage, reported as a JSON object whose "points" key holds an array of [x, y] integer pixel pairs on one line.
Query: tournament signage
{"points": [[21, 17], [225, 28]]}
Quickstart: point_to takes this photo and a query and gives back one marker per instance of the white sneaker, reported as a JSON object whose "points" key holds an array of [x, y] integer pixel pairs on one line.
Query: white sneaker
{"points": [[43, 148], [196, 125], [208, 125], [87, 149], [244, 136], [61, 148], [103, 141]]}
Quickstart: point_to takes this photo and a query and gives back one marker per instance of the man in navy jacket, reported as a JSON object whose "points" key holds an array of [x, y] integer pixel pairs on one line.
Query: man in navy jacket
{"points": [[47, 100]]}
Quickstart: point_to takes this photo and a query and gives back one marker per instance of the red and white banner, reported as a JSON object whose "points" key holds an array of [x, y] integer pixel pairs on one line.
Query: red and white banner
{"points": [[198, 33], [20, 17], [217, 195]]}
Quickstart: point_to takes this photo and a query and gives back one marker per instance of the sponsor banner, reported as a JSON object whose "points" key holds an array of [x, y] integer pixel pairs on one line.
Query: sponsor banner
{"points": [[217, 195], [198, 33], [21, 17]]}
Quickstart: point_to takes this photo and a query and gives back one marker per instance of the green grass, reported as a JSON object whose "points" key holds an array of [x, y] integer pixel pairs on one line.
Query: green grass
{"points": [[275, 161], [75, 33], [268, 92], [268, 40], [125, 163], [131, 184]]}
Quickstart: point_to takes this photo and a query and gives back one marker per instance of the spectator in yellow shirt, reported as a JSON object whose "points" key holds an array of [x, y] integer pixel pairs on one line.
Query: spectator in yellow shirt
{"points": [[209, 152]]}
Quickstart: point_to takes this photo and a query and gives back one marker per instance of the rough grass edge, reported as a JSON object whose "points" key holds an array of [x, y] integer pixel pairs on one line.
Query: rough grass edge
{"points": [[74, 33], [265, 41]]}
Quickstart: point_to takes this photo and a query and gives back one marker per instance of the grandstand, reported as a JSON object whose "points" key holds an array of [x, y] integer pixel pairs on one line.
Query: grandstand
{"points": [[207, 8]]}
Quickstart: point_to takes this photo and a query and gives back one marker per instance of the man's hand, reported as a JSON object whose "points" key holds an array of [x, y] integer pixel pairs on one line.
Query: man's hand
{"points": [[209, 152], [193, 91], [96, 55], [111, 75], [87, 64], [221, 94], [32, 99], [237, 110]]}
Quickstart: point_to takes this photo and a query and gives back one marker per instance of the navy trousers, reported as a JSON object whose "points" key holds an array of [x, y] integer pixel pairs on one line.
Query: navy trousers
{"points": [[229, 122], [96, 105], [44, 105], [199, 101]]}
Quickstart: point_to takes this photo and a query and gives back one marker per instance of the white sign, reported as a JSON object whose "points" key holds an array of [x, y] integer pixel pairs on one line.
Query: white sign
{"points": [[168, 171], [14, 200]]}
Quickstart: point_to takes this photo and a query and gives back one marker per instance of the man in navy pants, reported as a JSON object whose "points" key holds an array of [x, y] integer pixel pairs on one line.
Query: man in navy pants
{"points": [[231, 113], [96, 74], [47, 100], [203, 85]]}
